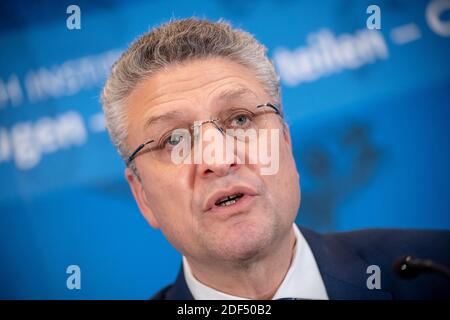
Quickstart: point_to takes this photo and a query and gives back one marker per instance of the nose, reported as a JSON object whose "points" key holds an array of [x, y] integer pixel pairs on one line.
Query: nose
{"points": [[217, 170], [213, 164]]}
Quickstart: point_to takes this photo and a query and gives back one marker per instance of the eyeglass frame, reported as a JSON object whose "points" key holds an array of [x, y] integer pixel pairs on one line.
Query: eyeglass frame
{"points": [[134, 154]]}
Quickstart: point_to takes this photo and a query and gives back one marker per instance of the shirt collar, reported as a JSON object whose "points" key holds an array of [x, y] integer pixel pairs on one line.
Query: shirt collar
{"points": [[302, 281]]}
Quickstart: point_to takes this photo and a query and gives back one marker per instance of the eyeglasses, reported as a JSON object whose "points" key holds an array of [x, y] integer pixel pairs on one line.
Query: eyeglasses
{"points": [[234, 122]]}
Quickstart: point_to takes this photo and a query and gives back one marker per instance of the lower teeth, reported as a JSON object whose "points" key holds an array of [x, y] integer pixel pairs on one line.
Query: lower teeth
{"points": [[227, 203]]}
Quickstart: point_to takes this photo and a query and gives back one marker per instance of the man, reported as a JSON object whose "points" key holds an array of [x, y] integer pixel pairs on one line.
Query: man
{"points": [[194, 109]]}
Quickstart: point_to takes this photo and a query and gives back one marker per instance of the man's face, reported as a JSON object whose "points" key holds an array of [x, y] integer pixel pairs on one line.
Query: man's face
{"points": [[180, 199]]}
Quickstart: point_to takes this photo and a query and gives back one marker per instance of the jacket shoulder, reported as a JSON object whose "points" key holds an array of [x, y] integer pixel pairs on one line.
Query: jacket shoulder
{"points": [[431, 244], [337, 253]]}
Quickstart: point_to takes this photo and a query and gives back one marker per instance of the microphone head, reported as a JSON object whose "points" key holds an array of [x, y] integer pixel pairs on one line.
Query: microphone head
{"points": [[405, 268]]}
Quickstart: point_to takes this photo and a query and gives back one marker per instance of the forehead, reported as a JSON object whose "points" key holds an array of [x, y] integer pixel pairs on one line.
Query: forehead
{"points": [[194, 83]]}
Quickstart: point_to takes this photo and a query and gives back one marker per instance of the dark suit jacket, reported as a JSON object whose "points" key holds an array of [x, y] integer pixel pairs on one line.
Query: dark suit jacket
{"points": [[343, 259]]}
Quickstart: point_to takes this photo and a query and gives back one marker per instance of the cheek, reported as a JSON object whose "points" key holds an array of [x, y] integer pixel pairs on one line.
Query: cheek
{"points": [[286, 182], [169, 198], [170, 202]]}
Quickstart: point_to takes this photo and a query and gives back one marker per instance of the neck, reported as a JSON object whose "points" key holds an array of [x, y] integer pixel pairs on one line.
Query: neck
{"points": [[259, 279]]}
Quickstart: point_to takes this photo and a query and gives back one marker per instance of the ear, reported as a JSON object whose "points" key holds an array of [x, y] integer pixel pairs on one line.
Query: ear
{"points": [[141, 198], [287, 134], [287, 138]]}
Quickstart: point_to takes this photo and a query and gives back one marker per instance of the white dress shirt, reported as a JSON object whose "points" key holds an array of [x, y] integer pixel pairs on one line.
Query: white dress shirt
{"points": [[303, 279]]}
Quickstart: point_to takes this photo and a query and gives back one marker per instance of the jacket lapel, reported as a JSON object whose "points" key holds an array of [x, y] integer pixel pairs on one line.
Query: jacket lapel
{"points": [[179, 290], [343, 270]]}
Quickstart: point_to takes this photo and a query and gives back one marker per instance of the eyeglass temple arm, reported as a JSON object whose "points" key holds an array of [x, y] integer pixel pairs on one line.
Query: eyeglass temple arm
{"points": [[135, 152]]}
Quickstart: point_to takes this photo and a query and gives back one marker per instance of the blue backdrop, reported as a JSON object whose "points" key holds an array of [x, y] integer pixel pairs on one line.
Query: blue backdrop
{"points": [[368, 110]]}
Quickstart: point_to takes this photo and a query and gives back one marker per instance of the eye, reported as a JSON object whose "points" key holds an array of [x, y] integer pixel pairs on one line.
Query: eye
{"points": [[240, 120], [171, 140], [174, 139]]}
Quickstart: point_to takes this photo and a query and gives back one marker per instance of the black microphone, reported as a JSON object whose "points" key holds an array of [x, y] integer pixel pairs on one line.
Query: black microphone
{"points": [[408, 267]]}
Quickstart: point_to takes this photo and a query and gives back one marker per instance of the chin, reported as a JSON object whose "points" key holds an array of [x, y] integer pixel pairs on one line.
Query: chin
{"points": [[245, 241]]}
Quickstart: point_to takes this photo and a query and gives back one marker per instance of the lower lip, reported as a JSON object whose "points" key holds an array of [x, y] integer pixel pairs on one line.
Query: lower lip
{"points": [[243, 204]]}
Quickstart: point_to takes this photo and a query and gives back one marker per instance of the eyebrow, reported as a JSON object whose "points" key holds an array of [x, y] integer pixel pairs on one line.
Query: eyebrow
{"points": [[171, 115], [235, 93], [230, 94]]}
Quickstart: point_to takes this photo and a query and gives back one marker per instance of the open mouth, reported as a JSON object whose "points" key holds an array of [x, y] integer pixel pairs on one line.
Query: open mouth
{"points": [[229, 200], [238, 197]]}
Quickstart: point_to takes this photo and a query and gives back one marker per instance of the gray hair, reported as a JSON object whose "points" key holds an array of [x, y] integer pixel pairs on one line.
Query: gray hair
{"points": [[175, 42]]}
